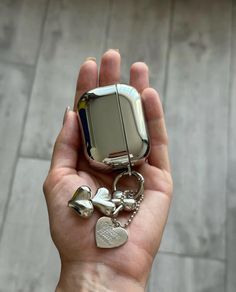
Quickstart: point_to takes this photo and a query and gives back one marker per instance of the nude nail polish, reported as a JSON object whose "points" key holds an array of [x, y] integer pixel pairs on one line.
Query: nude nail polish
{"points": [[65, 114], [117, 50], [91, 59]]}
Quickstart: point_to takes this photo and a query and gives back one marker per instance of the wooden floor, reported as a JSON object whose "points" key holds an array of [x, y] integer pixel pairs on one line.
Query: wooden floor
{"points": [[190, 47]]}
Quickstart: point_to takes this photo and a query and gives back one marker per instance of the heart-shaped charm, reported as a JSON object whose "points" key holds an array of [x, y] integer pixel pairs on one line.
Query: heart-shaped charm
{"points": [[102, 201], [109, 236], [81, 202]]}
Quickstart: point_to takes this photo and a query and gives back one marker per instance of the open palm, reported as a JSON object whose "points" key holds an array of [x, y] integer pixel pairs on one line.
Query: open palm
{"points": [[74, 236]]}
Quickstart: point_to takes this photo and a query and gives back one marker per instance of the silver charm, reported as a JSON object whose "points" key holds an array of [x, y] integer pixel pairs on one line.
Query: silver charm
{"points": [[81, 202], [109, 232], [102, 201], [123, 202], [108, 235]]}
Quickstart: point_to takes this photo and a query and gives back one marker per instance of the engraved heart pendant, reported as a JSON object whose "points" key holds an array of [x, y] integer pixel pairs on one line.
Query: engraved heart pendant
{"points": [[109, 236]]}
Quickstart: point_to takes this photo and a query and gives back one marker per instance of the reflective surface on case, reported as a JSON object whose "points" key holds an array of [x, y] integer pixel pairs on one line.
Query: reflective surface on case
{"points": [[113, 126]]}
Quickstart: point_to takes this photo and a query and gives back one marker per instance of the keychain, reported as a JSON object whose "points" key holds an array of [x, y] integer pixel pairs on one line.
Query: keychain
{"points": [[115, 139]]}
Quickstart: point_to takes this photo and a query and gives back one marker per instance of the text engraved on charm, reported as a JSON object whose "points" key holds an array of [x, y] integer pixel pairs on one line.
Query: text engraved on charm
{"points": [[108, 236]]}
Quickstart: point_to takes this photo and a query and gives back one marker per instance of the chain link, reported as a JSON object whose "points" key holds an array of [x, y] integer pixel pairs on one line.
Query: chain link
{"points": [[130, 194], [134, 213]]}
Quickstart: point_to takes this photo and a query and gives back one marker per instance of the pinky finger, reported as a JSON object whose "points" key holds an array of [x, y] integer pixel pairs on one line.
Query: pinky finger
{"points": [[158, 156]]}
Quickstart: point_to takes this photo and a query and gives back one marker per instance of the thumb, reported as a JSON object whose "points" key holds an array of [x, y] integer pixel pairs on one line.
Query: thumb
{"points": [[66, 148]]}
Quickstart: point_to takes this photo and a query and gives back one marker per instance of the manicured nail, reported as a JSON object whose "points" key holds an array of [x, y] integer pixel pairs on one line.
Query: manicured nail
{"points": [[91, 59], [65, 114], [117, 50]]}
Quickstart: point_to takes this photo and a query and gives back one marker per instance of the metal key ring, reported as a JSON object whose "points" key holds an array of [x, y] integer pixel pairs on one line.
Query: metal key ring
{"points": [[139, 178]]}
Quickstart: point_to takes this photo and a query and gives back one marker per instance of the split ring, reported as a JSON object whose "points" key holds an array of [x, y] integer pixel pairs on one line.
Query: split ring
{"points": [[139, 178]]}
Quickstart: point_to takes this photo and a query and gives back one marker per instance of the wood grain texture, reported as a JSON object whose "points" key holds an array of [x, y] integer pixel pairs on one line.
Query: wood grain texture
{"points": [[28, 259], [140, 30], [231, 182], [196, 106], [73, 31], [172, 273], [20, 29], [196, 112], [15, 85]]}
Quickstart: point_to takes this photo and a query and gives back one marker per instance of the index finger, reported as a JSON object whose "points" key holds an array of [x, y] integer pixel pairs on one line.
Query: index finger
{"points": [[87, 79]]}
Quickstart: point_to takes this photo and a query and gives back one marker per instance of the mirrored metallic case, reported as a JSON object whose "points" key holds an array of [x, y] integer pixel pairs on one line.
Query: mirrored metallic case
{"points": [[113, 127]]}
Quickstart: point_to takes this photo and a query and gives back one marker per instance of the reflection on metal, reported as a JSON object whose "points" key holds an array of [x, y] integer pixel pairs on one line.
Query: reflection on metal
{"points": [[113, 127]]}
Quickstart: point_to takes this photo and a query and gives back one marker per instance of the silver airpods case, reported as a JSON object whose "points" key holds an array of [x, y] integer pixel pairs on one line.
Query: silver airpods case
{"points": [[113, 127]]}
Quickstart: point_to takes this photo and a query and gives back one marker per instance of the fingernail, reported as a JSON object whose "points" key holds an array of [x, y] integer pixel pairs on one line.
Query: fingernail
{"points": [[117, 50], [91, 59], [65, 114]]}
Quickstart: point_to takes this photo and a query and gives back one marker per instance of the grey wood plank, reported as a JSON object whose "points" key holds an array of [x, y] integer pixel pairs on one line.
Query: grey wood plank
{"points": [[15, 86], [196, 112], [28, 258], [231, 183], [74, 30], [140, 30], [172, 273], [20, 29]]}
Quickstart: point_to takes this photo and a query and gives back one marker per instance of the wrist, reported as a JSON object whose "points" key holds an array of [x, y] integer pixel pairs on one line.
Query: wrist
{"points": [[86, 277]]}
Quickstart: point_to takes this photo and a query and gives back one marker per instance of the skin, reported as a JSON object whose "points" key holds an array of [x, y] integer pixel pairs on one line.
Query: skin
{"points": [[84, 267]]}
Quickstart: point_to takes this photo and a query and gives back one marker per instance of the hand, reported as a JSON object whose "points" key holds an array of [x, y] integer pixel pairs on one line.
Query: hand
{"points": [[83, 264]]}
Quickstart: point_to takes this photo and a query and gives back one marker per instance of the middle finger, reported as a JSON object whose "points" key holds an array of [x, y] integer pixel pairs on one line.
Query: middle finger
{"points": [[110, 68]]}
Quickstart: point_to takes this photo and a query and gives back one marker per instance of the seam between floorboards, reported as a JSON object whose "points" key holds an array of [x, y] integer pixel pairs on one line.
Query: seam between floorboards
{"points": [[169, 47], [229, 114], [16, 64], [28, 157], [190, 256], [34, 67]]}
